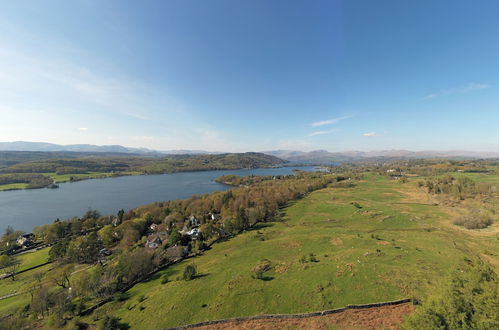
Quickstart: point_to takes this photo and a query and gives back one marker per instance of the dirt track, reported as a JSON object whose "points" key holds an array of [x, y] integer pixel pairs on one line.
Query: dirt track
{"points": [[385, 317]]}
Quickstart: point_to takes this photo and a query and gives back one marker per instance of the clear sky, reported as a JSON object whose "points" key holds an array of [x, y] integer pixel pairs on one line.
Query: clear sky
{"points": [[241, 75]]}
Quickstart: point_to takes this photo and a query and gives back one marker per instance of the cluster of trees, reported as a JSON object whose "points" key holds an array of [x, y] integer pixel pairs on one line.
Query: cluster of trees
{"points": [[468, 300], [61, 229], [458, 189], [8, 242], [237, 180], [418, 167], [33, 180], [167, 164], [230, 161]]}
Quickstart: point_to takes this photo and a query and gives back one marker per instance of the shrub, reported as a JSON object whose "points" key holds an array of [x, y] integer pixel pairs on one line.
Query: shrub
{"points": [[312, 258], [467, 301], [260, 269], [190, 272], [474, 220], [121, 296], [164, 279], [357, 205], [112, 323]]}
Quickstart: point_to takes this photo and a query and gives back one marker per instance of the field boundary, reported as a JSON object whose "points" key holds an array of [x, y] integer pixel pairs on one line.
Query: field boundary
{"points": [[7, 275], [290, 316]]}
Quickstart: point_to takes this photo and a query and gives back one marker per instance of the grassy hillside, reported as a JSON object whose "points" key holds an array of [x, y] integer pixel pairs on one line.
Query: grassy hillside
{"points": [[380, 240]]}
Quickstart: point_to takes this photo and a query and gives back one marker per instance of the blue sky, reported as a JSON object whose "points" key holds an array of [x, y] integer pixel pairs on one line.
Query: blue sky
{"points": [[234, 75]]}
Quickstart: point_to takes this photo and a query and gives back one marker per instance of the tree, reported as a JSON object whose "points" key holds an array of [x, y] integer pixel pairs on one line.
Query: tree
{"points": [[40, 300], [10, 264], [469, 300], [61, 275], [113, 323], [175, 237], [91, 214], [8, 240], [120, 215], [85, 249], [107, 236], [58, 250], [190, 272]]}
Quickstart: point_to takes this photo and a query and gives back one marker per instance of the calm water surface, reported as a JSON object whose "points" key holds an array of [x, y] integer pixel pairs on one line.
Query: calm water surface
{"points": [[25, 209]]}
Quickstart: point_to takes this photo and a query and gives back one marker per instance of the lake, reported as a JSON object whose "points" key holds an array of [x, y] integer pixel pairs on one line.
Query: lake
{"points": [[25, 209]]}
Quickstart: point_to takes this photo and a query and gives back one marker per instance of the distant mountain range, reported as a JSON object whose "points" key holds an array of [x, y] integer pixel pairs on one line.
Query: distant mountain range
{"points": [[52, 147], [324, 156], [316, 156], [44, 146]]}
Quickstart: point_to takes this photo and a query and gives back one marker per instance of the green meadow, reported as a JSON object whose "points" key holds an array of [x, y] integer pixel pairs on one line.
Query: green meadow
{"points": [[13, 186], [59, 178], [32, 259], [23, 281], [380, 240]]}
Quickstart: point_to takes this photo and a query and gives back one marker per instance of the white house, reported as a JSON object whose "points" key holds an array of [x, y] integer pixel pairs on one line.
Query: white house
{"points": [[193, 232], [25, 239], [194, 221]]}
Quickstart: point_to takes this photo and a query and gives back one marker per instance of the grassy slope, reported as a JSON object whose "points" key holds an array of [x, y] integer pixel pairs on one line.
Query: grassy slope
{"points": [[22, 281], [32, 259], [412, 251], [13, 186]]}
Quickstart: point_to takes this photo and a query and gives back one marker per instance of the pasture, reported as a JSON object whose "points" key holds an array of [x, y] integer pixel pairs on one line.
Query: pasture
{"points": [[380, 240]]}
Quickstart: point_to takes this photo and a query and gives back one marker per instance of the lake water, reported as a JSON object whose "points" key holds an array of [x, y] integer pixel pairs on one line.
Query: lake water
{"points": [[25, 209]]}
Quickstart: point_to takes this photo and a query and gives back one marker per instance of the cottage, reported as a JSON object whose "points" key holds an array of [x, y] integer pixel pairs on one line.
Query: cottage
{"points": [[26, 239], [193, 233], [194, 221], [153, 241], [105, 252], [213, 216], [116, 222]]}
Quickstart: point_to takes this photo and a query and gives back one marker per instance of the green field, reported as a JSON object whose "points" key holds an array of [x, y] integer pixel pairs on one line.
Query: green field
{"points": [[13, 186], [393, 244], [23, 280], [60, 178], [90, 175], [32, 259]]}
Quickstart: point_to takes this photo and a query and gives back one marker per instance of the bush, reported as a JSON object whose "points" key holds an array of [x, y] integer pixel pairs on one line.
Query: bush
{"points": [[312, 258], [164, 279], [121, 296], [357, 205], [474, 220], [469, 300], [113, 323], [260, 269], [190, 272]]}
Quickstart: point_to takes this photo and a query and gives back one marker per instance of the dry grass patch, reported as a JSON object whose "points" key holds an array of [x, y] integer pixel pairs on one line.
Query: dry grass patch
{"points": [[337, 242]]}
